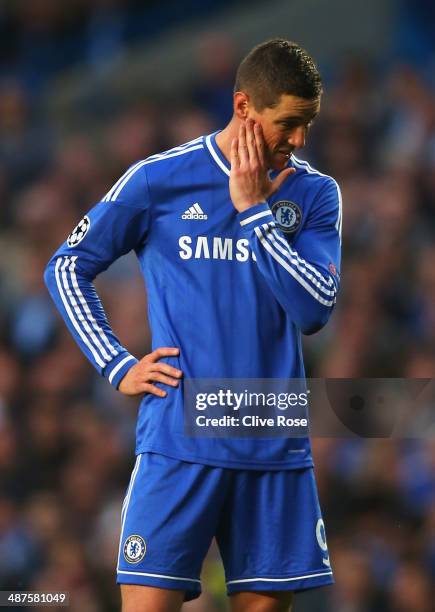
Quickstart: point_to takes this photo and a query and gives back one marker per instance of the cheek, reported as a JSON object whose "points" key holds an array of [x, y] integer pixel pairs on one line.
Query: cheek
{"points": [[269, 139], [273, 138]]}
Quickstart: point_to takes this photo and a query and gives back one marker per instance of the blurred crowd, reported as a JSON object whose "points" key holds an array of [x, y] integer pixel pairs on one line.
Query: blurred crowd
{"points": [[67, 438], [40, 39]]}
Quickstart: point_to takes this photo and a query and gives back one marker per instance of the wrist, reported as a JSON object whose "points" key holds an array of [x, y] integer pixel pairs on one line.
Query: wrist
{"points": [[118, 368], [254, 216], [242, 207]]}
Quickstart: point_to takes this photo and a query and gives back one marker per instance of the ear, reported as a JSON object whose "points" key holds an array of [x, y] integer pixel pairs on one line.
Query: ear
{"points": [[241, 104]]}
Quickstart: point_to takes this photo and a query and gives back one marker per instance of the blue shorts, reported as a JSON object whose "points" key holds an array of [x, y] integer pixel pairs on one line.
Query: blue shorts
{"points": [[267, 524]]}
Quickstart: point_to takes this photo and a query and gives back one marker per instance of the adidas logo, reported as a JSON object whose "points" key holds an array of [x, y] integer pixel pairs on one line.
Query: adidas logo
{"points": [[194, 212]]}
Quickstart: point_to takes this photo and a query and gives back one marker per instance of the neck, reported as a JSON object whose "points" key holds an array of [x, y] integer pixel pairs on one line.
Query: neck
{"points": [[224, 138]]}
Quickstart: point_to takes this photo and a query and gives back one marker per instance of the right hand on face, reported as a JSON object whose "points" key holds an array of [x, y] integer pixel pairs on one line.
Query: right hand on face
{"points": [[250, 183], [140, 377]]}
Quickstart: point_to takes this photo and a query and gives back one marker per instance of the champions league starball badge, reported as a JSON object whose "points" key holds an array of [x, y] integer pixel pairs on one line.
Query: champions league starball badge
{"points": [[288, 215], [134, 549], [79, 232]]}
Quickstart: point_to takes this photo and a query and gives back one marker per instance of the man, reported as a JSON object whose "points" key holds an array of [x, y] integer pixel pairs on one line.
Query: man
{"points": [[239, 245]]}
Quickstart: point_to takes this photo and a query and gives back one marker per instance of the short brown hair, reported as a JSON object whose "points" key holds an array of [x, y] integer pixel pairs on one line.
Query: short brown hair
{"points": [[278, 67]]}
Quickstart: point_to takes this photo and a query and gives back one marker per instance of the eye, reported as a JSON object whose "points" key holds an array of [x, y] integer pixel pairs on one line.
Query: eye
{"points": [[291, 125]]}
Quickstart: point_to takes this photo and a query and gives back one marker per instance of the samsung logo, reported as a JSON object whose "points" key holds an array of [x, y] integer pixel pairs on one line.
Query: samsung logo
{"points": [[204, 247]]}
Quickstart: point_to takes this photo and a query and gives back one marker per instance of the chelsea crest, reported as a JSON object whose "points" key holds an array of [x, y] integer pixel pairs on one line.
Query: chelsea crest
{"points": [[134, 549], [288, 216]]}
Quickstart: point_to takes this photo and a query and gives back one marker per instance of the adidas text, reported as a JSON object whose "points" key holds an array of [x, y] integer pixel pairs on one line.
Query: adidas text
{"points": [[194, 212]]}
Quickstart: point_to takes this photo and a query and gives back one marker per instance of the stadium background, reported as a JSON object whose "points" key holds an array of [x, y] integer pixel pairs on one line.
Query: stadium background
{"points": [[89, 86]]}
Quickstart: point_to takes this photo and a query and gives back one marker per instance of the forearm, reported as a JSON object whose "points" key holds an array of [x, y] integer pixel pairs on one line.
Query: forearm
{"points": [[305, 290], [77, 301]]}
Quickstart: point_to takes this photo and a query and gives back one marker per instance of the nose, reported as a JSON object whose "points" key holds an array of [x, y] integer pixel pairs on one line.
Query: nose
{"points": [[297, 137]]}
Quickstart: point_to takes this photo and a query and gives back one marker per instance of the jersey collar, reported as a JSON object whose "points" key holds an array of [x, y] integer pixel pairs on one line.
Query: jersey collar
{"points": [[216, 153]]}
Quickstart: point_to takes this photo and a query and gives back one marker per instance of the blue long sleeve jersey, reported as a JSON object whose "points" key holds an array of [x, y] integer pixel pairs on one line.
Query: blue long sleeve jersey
{"points": [[232, 290]]}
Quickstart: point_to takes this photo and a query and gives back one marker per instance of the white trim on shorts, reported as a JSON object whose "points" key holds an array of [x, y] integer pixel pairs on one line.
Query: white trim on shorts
{"points": [[279, 579]]}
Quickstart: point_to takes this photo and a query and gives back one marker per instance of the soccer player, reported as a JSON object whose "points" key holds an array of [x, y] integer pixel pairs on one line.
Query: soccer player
{"points": [[239, 245]]}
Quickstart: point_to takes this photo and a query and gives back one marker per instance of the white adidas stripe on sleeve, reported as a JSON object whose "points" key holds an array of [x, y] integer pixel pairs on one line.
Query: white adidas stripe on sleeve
{"points": [[113, 194], [79, 313], [295, 274], [126, 174], [87, 310], [264, 213], [294, 261], [174, 149], [303, 262], [72, 318], [157, 156], [118, 366], [301, 163], [66, 268]]}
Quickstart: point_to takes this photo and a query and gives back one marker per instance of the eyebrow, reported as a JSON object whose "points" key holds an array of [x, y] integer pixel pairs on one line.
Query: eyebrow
{"points": [[297, 118]]}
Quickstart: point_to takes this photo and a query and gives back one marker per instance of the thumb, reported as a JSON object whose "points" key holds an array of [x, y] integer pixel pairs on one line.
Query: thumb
{"points": [[279, 180]]}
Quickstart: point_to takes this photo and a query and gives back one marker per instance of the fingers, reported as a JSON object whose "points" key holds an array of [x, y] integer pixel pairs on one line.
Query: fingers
{"points": [[247, 143], [157, 371], [249, 181], [162, 378], [149, 388], [140, 378], [243, 147], [133, 385], [251, 143], [279, 180], [259, 140], [163, 351], [141, 381], [235, 161], [166, 369]]}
